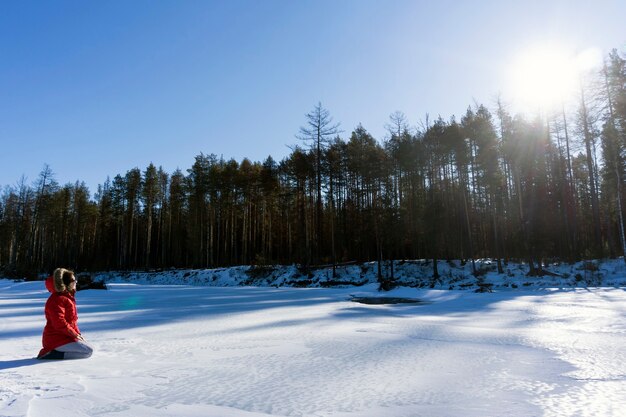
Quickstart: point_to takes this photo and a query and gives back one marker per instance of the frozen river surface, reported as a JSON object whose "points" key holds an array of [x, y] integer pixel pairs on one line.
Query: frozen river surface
{"points": [[252, 352]]}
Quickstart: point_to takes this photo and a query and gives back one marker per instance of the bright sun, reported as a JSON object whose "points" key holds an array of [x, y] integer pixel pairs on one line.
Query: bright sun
{"points": [[544, 76]]}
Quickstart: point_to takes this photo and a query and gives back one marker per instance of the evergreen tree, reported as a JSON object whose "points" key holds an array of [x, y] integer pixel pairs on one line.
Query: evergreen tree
{"points": [[150, 194]]}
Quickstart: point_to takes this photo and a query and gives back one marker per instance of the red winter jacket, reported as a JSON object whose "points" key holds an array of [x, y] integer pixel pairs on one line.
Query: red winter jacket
{"points": [[61, 318]]}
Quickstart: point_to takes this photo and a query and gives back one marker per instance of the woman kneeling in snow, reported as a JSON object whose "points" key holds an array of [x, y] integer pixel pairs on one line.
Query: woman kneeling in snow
{"points": [[61, 336]]}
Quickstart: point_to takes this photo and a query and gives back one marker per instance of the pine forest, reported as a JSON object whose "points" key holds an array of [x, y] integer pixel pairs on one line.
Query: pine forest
{"points": [[488, 184]]}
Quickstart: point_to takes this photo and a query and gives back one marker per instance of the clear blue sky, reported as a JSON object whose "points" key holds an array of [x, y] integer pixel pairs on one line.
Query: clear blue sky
{"points": [[96, 88]]}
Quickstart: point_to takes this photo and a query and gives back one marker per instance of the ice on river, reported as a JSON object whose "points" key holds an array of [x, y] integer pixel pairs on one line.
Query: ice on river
{"points": [[163, 350]]}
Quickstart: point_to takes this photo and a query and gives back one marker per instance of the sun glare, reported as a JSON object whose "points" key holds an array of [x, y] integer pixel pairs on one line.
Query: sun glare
{"points": [[544, 76]]}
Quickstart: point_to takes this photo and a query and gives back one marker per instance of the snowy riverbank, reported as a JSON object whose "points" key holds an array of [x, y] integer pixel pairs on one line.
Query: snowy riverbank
{"points": [[454, 275]]}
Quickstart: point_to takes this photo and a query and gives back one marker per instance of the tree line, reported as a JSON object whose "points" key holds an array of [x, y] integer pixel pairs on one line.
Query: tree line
{"points": [[488, 185]]}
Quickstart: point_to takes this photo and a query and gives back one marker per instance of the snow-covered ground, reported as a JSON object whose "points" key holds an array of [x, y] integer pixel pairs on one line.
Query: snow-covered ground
{"points": [[454, 275], [166, 350]]}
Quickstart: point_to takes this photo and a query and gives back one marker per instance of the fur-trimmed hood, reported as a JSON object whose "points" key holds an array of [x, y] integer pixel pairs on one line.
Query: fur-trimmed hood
{"points": [[55, 281]]}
